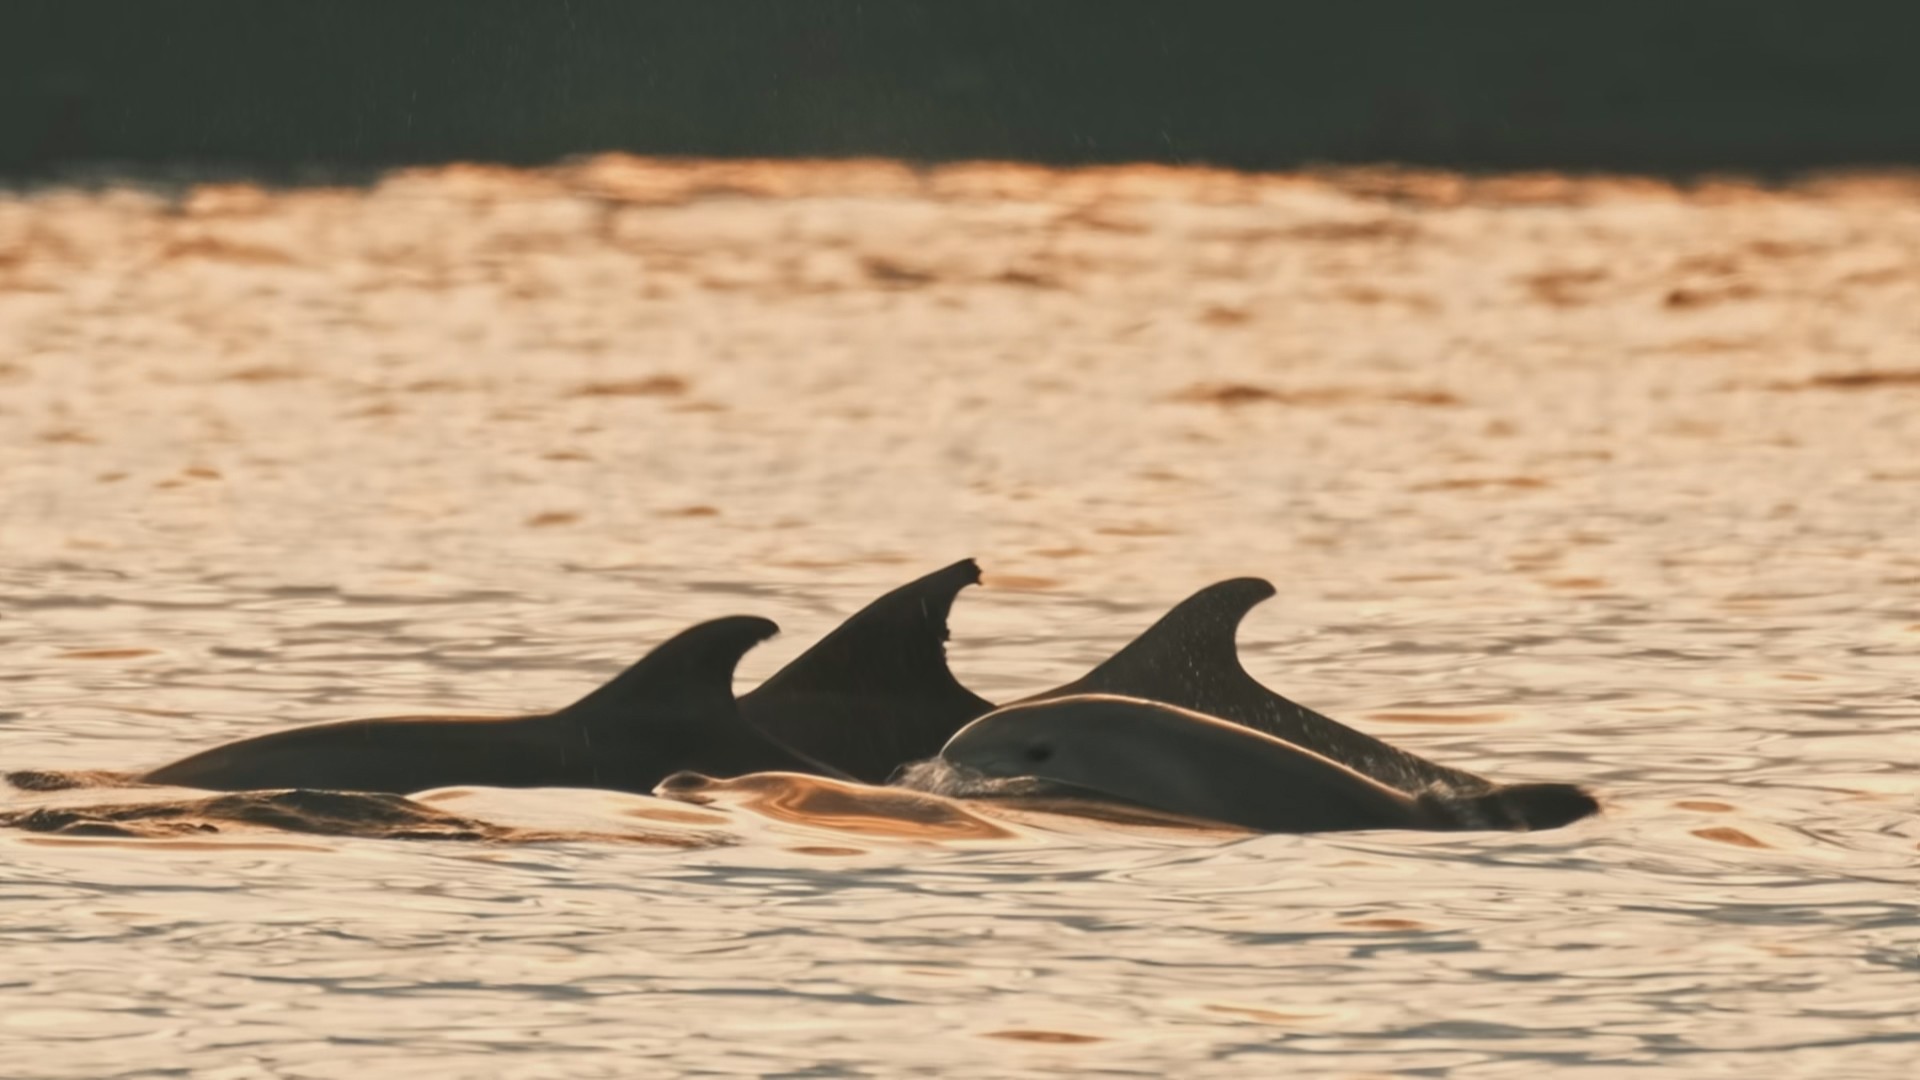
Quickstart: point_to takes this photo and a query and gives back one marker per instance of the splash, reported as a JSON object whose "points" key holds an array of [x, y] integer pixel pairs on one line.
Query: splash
{"points": [[837, 805], [938, 776], [1023, 797]]}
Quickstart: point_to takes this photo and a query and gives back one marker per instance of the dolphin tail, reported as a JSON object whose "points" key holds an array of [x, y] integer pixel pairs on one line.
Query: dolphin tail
{"points": [[1544, 806], [876, 692], [1523, 807]]}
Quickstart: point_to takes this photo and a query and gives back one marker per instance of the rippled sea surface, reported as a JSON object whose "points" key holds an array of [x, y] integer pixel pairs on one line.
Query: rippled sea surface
{"points": [[1593, 481]]}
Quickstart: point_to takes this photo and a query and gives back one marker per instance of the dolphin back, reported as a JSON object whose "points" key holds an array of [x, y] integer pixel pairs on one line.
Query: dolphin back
{"points": [[672, 710], [1173, 759], [1189, 659]]}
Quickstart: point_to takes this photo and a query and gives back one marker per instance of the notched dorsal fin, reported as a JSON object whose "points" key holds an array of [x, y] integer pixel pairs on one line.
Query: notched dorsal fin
{"points": [[692, 668], [896, 644], [1189, 658], [876, 692]]}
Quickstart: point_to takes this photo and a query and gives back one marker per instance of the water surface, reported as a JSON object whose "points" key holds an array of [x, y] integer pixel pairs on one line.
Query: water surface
{"points": [[1598, 482]]}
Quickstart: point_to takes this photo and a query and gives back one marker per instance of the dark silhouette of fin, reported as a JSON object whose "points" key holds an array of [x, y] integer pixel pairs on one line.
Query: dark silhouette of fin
{"points": [[678, 702], [1188, 659], [875, 693], [693, 668]]}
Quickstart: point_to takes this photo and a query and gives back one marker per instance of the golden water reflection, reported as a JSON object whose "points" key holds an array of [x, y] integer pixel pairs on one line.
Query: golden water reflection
{"points": [[1587, 479]]}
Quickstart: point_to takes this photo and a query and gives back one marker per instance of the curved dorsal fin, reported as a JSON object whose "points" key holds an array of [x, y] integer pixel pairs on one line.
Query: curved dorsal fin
{"points": [[1188, 653], [676, 707], [876, 692], [694, 668], [1188, 658]]}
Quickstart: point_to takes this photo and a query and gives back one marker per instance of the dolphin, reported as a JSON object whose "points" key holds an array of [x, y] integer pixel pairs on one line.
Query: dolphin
{"points": [[1168, 758], [1188, 658], [672, 710], [876, 693]]}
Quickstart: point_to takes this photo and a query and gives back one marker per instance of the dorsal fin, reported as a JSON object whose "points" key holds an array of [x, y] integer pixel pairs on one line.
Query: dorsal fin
{"points": [[689, 671], [678, 704], [1188, 658], [876, 692], [1188, 651], [896, 644]]}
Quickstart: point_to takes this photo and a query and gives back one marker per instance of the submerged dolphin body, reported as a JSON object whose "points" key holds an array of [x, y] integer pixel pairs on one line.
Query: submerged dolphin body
{"points": [[1161, 756], [875, 693], [672, 710]]}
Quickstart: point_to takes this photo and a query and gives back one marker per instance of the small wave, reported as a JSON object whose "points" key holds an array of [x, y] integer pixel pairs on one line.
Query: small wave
{"points": [[68, 780], [329, 813]]}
